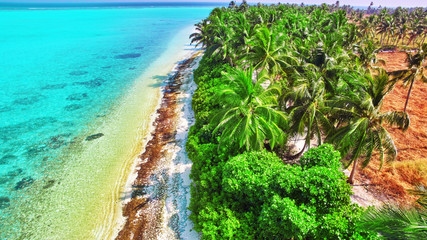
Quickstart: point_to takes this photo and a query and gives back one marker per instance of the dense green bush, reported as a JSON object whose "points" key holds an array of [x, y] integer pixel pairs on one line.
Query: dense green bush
{"points": [[282, 218], [323, 155], [260, 196]]}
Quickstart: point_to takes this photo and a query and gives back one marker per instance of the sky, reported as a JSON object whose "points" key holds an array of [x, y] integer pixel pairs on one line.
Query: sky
{"points": [[388, 3]]}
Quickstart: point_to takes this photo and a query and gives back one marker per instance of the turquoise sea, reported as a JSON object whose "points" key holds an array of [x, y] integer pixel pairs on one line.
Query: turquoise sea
{"points": [[65, 74]]}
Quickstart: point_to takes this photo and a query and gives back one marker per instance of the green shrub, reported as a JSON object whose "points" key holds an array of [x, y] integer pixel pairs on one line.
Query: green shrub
{"points": [[322, 156], [291, 201], [281, 218], [246, 177], [325, 188]]}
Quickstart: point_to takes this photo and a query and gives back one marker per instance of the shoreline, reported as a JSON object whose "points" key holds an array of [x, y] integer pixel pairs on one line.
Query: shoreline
{"points": [[144, 206]]}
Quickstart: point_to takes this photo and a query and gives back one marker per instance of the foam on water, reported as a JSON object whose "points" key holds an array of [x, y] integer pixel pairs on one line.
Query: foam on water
{"points": [[77, 88]]}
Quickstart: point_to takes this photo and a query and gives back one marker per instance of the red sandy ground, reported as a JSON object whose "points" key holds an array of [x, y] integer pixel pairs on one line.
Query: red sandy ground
{"points": [[411, 165]]}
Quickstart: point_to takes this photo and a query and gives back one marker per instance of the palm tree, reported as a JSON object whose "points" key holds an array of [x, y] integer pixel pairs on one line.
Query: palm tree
{"points": [[244, 30], [398, 222], [364, 132], [305, 105], [248, 114], [222, 41], [367, 54], [202, 36], [420, 191], [267, 50], [414, 72]]}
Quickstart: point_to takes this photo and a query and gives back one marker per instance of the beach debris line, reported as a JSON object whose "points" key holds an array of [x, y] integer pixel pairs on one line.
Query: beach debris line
{"points": [[144, 211]]}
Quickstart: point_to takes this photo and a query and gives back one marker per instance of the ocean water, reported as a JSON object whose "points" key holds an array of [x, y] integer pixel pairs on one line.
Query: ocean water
{"points": [[77, 91]]}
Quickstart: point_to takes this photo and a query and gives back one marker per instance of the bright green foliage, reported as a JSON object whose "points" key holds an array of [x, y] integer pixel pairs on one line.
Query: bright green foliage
{"points": [[291, 202], [208, 77], [247, 177], [248, 114], [267, 49], [281, 218], [396, 222], [307, 81], [322, 156], [308, 112], [399, 222], [226, 224]]}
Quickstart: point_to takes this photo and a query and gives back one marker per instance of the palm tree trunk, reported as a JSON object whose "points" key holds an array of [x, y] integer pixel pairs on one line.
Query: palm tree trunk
{"points": [[298, 154], [409, 94], [381, 39], [403, 38], [397, 42], [353, 172]]}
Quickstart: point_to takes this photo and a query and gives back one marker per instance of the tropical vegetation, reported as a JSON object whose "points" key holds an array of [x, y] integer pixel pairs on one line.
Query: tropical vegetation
{"points": [[280, 72]]}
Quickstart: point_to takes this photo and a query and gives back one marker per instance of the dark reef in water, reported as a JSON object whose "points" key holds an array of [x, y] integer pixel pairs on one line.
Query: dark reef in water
{"points": [[5, 109], [54, 86], [7, 158], [77, 96], [12, 132], [10, 176], [49, 184], [35, 151], [78, 73], [25, 182], [94, 136], [72, 107], [58, 141], [4, 202], [15, 173], [97, 82], [129, 55], [28, 100]]}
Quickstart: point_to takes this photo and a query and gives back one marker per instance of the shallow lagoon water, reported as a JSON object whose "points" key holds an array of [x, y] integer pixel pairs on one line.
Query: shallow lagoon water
{"points": [[77, 88]]}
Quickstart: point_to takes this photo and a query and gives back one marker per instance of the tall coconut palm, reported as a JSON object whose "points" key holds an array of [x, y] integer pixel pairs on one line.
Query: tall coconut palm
{"points": [[202, 36], [367, 54], [415, 71], [244, 30], [364, 131], [305, 105], [249, 114], [267, 50]]}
